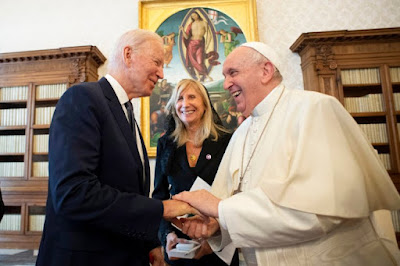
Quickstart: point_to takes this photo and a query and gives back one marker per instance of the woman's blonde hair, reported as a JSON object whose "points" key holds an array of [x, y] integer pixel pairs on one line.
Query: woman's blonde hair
{"points": [[208, 126]]}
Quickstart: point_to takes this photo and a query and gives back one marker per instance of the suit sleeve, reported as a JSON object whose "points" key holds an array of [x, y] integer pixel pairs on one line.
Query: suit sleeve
{"points": [[161, 187], [78, 196]]}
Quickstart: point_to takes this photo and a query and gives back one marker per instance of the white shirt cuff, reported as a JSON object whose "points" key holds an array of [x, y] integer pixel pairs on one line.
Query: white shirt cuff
{"points": [[221, 217]]}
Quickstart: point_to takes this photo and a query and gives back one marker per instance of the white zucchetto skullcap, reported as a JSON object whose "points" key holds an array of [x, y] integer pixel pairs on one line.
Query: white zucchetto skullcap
{"points": [[268, 52]]}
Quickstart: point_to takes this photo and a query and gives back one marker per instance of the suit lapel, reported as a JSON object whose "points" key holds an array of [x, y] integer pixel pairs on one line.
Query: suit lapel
{"points": [[207, 153], [122, 122]]}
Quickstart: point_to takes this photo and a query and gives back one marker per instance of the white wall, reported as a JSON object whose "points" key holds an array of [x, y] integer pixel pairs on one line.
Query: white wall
{"points": [[45, 24]]}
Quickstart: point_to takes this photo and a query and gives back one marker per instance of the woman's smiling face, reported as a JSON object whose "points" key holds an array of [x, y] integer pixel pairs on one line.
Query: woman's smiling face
{"points": [[190, 107]]}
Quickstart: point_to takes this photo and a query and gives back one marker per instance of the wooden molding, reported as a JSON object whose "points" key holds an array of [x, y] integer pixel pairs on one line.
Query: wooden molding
{"points": [[344, 36], [60, 53]]}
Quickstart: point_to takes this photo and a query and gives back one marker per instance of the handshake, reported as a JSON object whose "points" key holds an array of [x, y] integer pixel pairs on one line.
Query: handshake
{"points": [[203, 209], [200, 203]]}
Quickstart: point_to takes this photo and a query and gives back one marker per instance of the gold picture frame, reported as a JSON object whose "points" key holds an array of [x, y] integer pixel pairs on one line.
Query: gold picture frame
{"points": [[238, 18]]}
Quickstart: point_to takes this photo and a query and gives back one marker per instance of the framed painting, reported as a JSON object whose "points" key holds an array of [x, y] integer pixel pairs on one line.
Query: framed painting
{"points": [[198, 35]]}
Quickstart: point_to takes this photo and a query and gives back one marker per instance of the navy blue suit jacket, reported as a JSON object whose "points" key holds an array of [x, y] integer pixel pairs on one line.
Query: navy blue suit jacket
{"points": [[98, 211]]}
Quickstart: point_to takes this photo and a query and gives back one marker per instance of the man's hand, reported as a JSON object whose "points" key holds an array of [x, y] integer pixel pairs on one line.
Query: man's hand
{"points": [[204, 249], [174, 208], [196, 227], [202, 200], [157, 258]]}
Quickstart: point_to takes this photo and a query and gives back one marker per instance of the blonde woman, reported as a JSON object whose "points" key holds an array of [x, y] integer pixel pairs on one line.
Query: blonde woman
{"points": [[192, 147]]}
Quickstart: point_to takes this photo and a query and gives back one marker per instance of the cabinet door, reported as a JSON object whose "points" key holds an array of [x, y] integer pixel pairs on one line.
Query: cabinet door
{"points": [[364, 99], [45, 100], [13, 128], [11, 222], [395, 82], [36, 217]]}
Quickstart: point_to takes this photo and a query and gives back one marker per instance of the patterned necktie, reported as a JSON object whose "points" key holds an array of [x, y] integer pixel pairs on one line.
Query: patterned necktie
{"points": [[131, 117]]}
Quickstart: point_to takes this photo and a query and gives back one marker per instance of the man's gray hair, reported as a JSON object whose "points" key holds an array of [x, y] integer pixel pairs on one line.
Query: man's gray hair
{"points": [[136, 39]]}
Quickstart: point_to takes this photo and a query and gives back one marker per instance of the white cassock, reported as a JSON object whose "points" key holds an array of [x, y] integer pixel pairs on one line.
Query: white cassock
{"points": [[311, 184]]}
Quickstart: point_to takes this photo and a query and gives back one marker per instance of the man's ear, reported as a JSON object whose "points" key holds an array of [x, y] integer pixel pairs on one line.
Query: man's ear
{"points": [[268, 72], [128, 54]]}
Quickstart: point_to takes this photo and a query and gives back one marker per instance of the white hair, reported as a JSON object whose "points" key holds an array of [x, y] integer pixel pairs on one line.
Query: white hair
{"points": [[136, 39]]}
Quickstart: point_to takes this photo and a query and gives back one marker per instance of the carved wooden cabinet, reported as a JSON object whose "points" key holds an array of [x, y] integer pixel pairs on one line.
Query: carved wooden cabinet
{"points": [[362, 69], [30, 85]]}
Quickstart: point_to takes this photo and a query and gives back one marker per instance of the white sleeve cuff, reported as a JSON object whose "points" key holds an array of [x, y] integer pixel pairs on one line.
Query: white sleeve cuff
{"points": [[221, 240], [222, 222]]}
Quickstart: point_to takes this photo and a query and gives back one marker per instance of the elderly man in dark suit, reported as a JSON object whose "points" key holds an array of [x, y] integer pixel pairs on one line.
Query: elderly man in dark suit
{"points": [[98, 209]]}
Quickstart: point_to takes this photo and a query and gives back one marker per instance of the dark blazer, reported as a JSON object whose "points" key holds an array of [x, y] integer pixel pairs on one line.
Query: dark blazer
{"points": [[174, 175], [98, 211]]}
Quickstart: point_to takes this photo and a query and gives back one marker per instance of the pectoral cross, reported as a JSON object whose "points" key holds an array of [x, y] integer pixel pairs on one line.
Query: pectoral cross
{"points": [[238, 190]]}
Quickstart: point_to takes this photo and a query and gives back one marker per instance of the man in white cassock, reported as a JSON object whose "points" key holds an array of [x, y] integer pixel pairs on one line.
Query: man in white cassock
{"points": [[299, 183]]}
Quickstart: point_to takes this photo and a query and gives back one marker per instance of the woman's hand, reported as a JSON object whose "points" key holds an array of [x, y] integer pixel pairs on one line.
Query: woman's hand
{"points": [[172, 240]]}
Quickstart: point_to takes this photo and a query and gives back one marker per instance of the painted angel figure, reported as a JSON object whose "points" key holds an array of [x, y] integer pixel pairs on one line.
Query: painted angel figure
{"points": [[228, 39], [169, 42]]}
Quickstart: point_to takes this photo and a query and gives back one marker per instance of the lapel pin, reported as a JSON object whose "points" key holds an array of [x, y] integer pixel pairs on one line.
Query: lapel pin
{"points": [[208, 156]]}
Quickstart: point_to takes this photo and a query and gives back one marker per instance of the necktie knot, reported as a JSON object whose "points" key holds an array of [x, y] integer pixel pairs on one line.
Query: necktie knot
{"points": [[129, 106]]}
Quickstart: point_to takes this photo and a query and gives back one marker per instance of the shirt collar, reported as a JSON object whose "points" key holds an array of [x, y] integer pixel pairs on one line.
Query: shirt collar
{"points": [[268, 102], [119, 91]]}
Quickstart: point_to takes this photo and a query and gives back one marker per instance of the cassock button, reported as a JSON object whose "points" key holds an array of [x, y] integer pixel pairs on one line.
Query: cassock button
{"points": [[208, 156]]}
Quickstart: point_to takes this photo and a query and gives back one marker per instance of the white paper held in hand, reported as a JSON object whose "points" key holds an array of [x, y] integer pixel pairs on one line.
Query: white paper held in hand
{"points": [[185, 250], [199, 184]]}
